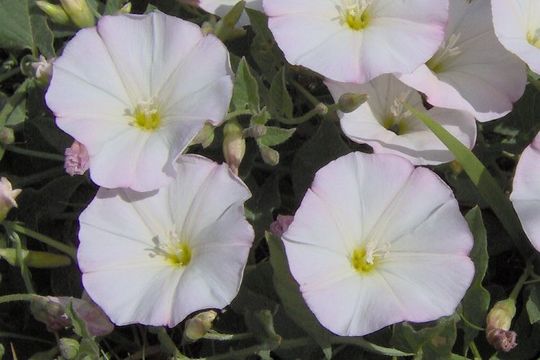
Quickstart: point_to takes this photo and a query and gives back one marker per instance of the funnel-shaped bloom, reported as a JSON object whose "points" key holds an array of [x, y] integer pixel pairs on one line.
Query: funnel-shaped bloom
{"points": [[154, 258], [471, 70], [357, 40], [526, 191], [135, 90], [517, 25], [388, 241], [387, 126], [222, 7]]}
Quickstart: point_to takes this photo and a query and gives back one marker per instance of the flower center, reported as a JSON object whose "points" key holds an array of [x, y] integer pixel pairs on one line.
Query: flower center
{"points": [[146, 115], [533, 37], [447, 50], [365, 259], [175, 252], [398, 117], [355, 14]]}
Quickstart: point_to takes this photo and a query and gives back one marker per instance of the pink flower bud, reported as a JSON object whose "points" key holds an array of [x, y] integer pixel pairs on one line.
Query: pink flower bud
{"points": [[77, 160], [281, 224]]}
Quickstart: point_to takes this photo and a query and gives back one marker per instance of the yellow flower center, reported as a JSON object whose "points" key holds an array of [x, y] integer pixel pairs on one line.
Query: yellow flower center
{"points": [[355, 14], [366, 258], [146, 115], [174, 251], [446, 51], [533, 37]]}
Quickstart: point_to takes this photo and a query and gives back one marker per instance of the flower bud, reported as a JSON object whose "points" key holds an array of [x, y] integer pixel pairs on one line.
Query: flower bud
{"points": [[281, 224], [35, 259], [43, 69], [7, 136], [77, 160], [498, 322], [256, 131], [50, 312], [349, 102], [198, 326], [126, 9], [269, 155], [205, 137], [79, 12], [234, 145], [69, 348], [7, 197], [55, 12]]}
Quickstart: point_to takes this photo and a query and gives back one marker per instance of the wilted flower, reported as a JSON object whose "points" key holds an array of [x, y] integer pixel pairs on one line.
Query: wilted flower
{"points": [[357, 40], [43, 69], [281, 224], [388, 241], [76, 159], [154, 258], [198, 326], [387, 126], [135, 91], [471, 70], [526, 191], [517, 25], [498, 323], [7, 197]]}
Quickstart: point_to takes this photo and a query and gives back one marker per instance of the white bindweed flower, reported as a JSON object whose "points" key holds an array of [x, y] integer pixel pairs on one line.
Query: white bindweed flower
{"points": [[517, 25], [154, 258], [526, 191], [471, 70], [357, 40], [388, 241], [387, 126], [222, 7], [135, 90]]}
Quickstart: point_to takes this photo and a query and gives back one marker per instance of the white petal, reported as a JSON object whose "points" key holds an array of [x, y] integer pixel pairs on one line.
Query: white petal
{"points": [[222, 7]]}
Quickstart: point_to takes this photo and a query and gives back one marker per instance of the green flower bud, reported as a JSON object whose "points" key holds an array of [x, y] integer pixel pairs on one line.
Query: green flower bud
{"points": [[7, 136], [349, 102], [234, 145], [126, 9], [35, 259], [498, 322], [205, 137], [69, 348], [269, 155], [79, 12], [55, 12], [199, 325]]}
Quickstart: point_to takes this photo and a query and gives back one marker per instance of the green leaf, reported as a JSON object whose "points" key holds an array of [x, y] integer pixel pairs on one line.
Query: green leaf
{"points": [[246, 88], [476, 300], [275, 136], [112, 6], [18, 113], [264, 200], [280, 102], [24, 26], [484, 182], [533, 305], [326, 145]]}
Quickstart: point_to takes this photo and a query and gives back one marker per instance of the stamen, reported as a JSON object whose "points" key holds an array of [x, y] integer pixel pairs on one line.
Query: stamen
{"points": [[354, 13], [533, 37], [398, 116], [447, 50], [146, 115], [174, 251], [365, 259]]}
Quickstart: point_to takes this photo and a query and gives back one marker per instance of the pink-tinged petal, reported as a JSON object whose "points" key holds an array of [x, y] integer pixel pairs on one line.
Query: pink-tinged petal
{"points": [[514, 22], [313, 34], [142, 263], [414, 141], [526, 191], [425, 294], [397, 264], [472, 71], [222, 7]]}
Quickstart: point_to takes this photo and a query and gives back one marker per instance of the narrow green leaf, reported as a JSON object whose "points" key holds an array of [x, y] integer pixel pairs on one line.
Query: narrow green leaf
{"points": [[275, 136], [476, 300], [482, 179], [533, 305], [246, 88], [280, 101]]}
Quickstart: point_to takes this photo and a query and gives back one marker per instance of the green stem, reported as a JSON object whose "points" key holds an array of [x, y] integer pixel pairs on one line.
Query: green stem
{"points": [[319, 109], [36, 178], [24, 337], [168, 344], [470, 324], [25, 272], [36, 154], [69, 250], [309, 96], [17, 297], [13, 101], [226, 337], [521, 281], [237, 113], [474, 349], [366, 345], [9, 73]]}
